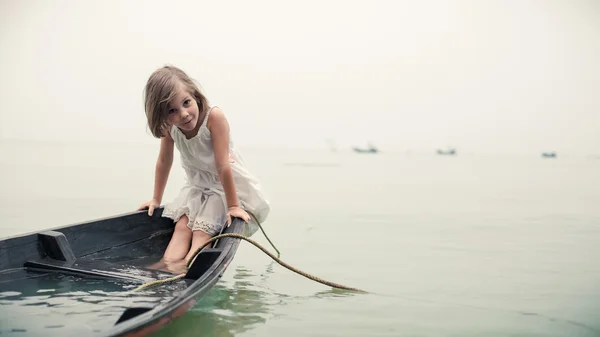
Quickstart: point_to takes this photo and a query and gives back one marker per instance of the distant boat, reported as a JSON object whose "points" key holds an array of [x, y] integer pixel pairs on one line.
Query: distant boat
{"points": [[549, 154], [449, 152], [369, 149]]}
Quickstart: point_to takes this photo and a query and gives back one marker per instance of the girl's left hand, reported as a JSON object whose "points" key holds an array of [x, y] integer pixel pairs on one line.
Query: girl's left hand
{"points": [[238, 212]]}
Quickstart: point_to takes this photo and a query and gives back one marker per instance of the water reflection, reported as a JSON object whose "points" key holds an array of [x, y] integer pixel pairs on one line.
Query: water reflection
{"points": [[236, 306], [32, 306], [230, 308]]}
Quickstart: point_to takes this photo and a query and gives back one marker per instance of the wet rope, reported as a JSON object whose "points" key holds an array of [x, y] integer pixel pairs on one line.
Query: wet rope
{"points": [[257, 245], [157, 282], [265, 234]]}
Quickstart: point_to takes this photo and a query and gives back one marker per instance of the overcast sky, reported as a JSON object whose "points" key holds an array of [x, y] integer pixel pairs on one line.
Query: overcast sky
{"points": [[499, 76]]}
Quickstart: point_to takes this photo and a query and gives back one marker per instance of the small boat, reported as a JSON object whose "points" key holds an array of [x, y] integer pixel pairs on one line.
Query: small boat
{"points": [[370, 149], [110, 256], [449, 152], [548, 154]]}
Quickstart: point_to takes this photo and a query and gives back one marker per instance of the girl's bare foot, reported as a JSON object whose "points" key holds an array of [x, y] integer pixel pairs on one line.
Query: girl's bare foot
{"points": [[176, 267], [173, 267]]}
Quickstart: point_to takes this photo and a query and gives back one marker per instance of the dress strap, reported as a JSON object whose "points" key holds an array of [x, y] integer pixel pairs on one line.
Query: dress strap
{"points": [[206, 117], [173, 131]]}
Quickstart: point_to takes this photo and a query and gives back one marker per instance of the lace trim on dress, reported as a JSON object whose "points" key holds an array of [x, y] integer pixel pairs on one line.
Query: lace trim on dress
{"points": [[208, 227]]}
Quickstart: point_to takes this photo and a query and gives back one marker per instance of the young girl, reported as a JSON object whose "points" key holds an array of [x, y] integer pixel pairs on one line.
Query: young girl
{"points": [[218, 184]]}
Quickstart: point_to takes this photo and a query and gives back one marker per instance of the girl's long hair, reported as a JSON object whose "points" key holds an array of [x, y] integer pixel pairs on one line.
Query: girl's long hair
{"points": [[161, 88]]}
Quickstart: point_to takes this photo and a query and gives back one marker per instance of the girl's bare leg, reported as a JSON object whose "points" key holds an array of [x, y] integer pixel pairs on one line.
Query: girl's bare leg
{"points": [[198, 239], [172, 260], [180, 241]]}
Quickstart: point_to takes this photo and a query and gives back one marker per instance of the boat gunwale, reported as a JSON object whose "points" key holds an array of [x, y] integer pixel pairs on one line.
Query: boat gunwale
{"points": [[74, 224]]}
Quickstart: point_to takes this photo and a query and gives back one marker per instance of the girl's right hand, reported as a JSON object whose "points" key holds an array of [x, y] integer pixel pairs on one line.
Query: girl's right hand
{"points": [[150, 205]]}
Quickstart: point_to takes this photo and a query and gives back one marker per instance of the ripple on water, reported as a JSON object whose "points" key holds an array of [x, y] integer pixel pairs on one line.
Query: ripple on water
{"points": [[47, 305]]}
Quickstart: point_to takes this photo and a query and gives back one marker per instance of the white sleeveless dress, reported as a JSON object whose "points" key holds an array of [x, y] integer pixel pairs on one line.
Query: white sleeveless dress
{"points": [[202, 198]]}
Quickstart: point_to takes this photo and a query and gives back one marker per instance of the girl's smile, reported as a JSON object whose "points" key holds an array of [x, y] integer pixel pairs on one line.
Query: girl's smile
{"points": [[183, 111]]}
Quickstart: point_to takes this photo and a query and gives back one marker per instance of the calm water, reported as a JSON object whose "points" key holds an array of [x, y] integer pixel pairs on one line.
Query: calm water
{"points": [[471, 245]]}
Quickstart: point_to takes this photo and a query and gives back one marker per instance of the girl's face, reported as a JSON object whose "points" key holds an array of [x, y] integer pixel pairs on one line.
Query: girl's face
{"points": [[183, 111]]}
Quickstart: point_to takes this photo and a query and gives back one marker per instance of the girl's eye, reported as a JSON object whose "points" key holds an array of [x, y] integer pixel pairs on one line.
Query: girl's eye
{"points": [[171, 111], [186, 102]]}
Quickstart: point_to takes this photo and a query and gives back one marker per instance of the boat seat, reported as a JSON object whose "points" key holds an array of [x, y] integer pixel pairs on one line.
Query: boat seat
{"points": [[203, 262], [131, 313], [56, 246]]}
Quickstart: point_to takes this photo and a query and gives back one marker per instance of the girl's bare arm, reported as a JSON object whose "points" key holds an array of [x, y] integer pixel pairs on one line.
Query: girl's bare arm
{"points": [[163, 166], [219, 129], [161, 173]]}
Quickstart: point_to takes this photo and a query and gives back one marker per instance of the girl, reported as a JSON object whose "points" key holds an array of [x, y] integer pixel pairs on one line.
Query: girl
{"points": [[218, 184]]}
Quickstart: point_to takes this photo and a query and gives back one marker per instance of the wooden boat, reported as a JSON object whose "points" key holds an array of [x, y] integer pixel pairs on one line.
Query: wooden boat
{"points": [[369, 149], [448, 152], [361, 150], [118, 249]]}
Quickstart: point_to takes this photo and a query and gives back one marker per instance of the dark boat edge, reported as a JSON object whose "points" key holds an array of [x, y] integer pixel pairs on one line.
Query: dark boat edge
{"points": [[76, 224]]}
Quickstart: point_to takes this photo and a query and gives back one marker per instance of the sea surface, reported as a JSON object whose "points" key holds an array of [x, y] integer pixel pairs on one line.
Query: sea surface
{"points": [[466, 245]]}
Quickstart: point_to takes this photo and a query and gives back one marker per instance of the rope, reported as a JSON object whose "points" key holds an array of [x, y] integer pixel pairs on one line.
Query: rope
{"points": [[257, 245], [157, 282], [265, 234]]}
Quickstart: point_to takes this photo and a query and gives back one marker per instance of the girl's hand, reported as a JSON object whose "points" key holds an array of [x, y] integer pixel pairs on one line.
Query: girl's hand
{"points": [[236, 211], [150, 205]]}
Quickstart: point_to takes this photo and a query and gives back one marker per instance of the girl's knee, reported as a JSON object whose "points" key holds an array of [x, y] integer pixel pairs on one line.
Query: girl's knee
{"points": [[200, 236], [182, 224]]}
